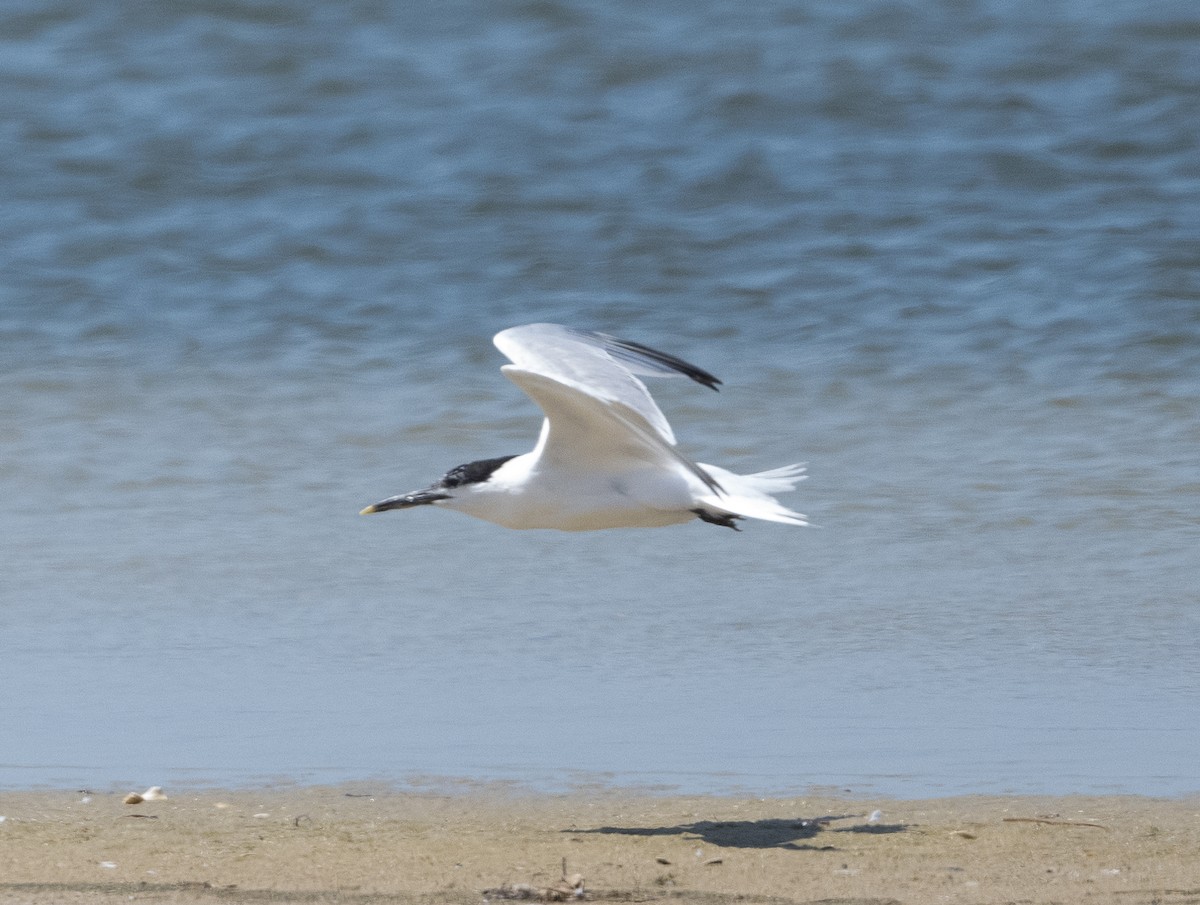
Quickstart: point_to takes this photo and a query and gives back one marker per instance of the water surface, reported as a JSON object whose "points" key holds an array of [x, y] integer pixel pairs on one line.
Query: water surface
{"points": [[945, 253]]}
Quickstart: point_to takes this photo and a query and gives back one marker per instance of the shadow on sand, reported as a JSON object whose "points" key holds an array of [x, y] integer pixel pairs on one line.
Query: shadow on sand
{"points": [[787, 834]]}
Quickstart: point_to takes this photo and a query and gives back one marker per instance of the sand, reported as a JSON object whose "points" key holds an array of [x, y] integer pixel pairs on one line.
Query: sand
{"points": [[485, 843]]}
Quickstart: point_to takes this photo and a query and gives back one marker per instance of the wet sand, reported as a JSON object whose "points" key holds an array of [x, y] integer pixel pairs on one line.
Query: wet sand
{"points": [[364, 844]]}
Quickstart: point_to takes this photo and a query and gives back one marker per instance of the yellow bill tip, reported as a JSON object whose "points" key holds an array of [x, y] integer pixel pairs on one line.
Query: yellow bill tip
{"points": [[369, 510]]}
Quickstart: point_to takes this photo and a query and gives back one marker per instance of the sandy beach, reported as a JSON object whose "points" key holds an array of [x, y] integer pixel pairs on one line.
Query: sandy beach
{"points": [[487, 843]]}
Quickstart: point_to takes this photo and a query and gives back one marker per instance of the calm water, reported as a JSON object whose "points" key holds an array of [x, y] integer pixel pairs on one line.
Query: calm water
{"points": [[947, 253]]}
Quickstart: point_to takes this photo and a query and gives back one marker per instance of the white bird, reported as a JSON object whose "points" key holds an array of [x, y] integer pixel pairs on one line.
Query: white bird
{"points": [[606, 456]]}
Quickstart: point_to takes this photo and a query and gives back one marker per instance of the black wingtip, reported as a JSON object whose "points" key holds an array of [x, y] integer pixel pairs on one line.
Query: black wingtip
{"points": [[669, 362]]}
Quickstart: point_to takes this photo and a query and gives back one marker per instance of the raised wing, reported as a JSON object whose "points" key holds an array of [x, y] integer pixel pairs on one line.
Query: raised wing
{"points": [[583, 431], [598, 365]]}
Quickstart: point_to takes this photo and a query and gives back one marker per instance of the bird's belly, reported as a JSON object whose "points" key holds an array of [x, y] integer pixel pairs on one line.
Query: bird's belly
{"points": [[596, 520], [587, 504]]}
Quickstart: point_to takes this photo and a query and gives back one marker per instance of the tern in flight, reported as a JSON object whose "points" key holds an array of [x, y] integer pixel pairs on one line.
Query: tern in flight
{"points": [[606, 457]]}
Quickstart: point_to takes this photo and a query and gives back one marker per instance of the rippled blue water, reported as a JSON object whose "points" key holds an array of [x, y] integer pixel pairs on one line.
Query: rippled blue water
{"points": [[947, 253]]}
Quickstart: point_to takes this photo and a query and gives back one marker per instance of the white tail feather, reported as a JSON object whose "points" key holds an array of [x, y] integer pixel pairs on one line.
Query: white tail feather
{"points": [[750, 495]]}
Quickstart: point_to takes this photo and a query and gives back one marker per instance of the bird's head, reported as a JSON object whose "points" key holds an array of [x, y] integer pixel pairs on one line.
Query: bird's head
{"points": [[460, 476]]}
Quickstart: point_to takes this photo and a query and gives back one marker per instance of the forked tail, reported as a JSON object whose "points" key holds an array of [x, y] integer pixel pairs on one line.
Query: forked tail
{"points": [[750, 496]]}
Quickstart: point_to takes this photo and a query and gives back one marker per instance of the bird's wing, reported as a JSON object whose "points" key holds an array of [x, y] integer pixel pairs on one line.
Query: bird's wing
{"points": [[585, 432], [598, 366]]}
